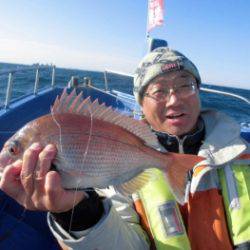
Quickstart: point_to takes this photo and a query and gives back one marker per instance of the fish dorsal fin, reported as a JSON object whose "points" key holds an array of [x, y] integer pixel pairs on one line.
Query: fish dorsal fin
{"points": [[72, 103], [135, 184]]}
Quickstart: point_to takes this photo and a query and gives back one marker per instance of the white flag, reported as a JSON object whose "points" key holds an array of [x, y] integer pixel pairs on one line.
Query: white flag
{"points": [[155, 13]]}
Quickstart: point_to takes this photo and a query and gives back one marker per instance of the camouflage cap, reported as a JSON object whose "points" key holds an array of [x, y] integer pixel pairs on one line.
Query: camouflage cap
{"points": [[157, 62]]}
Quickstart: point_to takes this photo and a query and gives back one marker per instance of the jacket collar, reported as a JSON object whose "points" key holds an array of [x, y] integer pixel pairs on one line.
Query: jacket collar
{"points": [[222, 141], [189, 143]]}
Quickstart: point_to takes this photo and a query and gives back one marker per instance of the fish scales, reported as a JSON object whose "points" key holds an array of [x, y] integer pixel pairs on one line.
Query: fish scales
{"points": [[107, 152]]}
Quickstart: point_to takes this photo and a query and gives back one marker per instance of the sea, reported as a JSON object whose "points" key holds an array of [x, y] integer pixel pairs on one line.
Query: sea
{"points": [[24, 77]]}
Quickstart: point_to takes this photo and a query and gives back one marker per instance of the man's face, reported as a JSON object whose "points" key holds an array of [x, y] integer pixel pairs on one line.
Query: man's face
{"points": [[178, 112]]}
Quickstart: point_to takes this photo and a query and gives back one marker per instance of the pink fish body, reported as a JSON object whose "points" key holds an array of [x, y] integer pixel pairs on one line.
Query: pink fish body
{"points": [[98, 147]]}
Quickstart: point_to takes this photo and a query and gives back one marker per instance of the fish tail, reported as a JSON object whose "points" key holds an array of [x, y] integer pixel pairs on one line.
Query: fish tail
{"points": [[176, 172]]}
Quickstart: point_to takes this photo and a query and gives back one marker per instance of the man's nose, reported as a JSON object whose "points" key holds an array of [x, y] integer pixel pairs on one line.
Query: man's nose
{"points": [[172, 98]]}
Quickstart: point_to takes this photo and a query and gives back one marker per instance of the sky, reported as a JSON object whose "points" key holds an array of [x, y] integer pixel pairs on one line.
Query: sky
{"points": [[99, 35]]}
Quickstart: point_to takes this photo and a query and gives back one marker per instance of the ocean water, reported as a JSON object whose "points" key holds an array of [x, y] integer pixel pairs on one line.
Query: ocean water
{"points": [[24, 82]]}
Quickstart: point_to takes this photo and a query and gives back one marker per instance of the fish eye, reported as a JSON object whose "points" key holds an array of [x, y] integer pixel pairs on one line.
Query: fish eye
{"points": [[14, 148]]}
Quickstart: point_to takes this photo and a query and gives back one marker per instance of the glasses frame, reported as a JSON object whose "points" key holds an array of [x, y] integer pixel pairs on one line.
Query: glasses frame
{"points": [[174, 89]]}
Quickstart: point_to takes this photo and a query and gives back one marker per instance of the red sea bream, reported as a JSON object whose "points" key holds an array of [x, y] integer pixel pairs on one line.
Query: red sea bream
{"points": [[98, 147]]}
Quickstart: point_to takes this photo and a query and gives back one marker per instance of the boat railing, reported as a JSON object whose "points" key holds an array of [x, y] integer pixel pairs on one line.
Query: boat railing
{"points": [[75, 82], [11, 73], [118, 73], [208, 90], [105, 75]]}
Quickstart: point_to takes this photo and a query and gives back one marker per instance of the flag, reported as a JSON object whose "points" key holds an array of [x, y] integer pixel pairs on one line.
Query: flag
{"points": [[155, 13]]}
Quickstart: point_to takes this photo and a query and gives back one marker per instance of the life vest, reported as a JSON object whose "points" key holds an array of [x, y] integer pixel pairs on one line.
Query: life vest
{"points": [[235, 182], [204, 215], [160, 214]]}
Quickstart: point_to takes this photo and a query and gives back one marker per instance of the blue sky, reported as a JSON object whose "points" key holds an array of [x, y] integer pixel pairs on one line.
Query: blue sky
{"points": [[98, 35]]}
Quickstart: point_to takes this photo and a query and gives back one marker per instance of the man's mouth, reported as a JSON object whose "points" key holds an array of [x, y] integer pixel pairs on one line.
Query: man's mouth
{"points": [[174, 116]]}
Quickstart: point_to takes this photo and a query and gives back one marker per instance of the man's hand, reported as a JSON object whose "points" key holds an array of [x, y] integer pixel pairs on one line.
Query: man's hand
{"points": [[32, 185]]}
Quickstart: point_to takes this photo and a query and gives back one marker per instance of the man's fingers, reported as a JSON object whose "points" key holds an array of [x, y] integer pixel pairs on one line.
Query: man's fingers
{"points": [[12, 172], [43, 166], [11, 184], [45, 160], [10, 181], [35, 187], [57, 198], [30, 158]]}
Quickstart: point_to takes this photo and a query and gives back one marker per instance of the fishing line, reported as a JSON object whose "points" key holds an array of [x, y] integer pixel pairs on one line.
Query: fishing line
{"points": [[84, 158], [59, 126]]}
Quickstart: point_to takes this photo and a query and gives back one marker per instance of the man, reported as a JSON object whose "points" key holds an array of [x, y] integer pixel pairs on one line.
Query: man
{"points": [[167, 88]]}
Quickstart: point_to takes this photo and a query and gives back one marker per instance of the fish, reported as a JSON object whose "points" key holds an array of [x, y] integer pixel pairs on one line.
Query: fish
{"points": [[99, 147]]}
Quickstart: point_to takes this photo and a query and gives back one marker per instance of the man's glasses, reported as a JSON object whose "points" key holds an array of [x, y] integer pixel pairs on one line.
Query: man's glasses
{"points": [[162, 94]]}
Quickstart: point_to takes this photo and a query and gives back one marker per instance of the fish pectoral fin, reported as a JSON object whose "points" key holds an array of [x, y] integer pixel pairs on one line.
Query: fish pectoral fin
{"points": [[136, 183]]}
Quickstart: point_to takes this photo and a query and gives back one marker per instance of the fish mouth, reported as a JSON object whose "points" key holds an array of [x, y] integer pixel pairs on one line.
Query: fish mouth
{"points": [[4, 161], [1, 166], [1, 170]]}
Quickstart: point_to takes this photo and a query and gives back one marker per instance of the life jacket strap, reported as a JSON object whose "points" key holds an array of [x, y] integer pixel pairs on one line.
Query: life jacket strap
{"points": [[235, 183]]}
